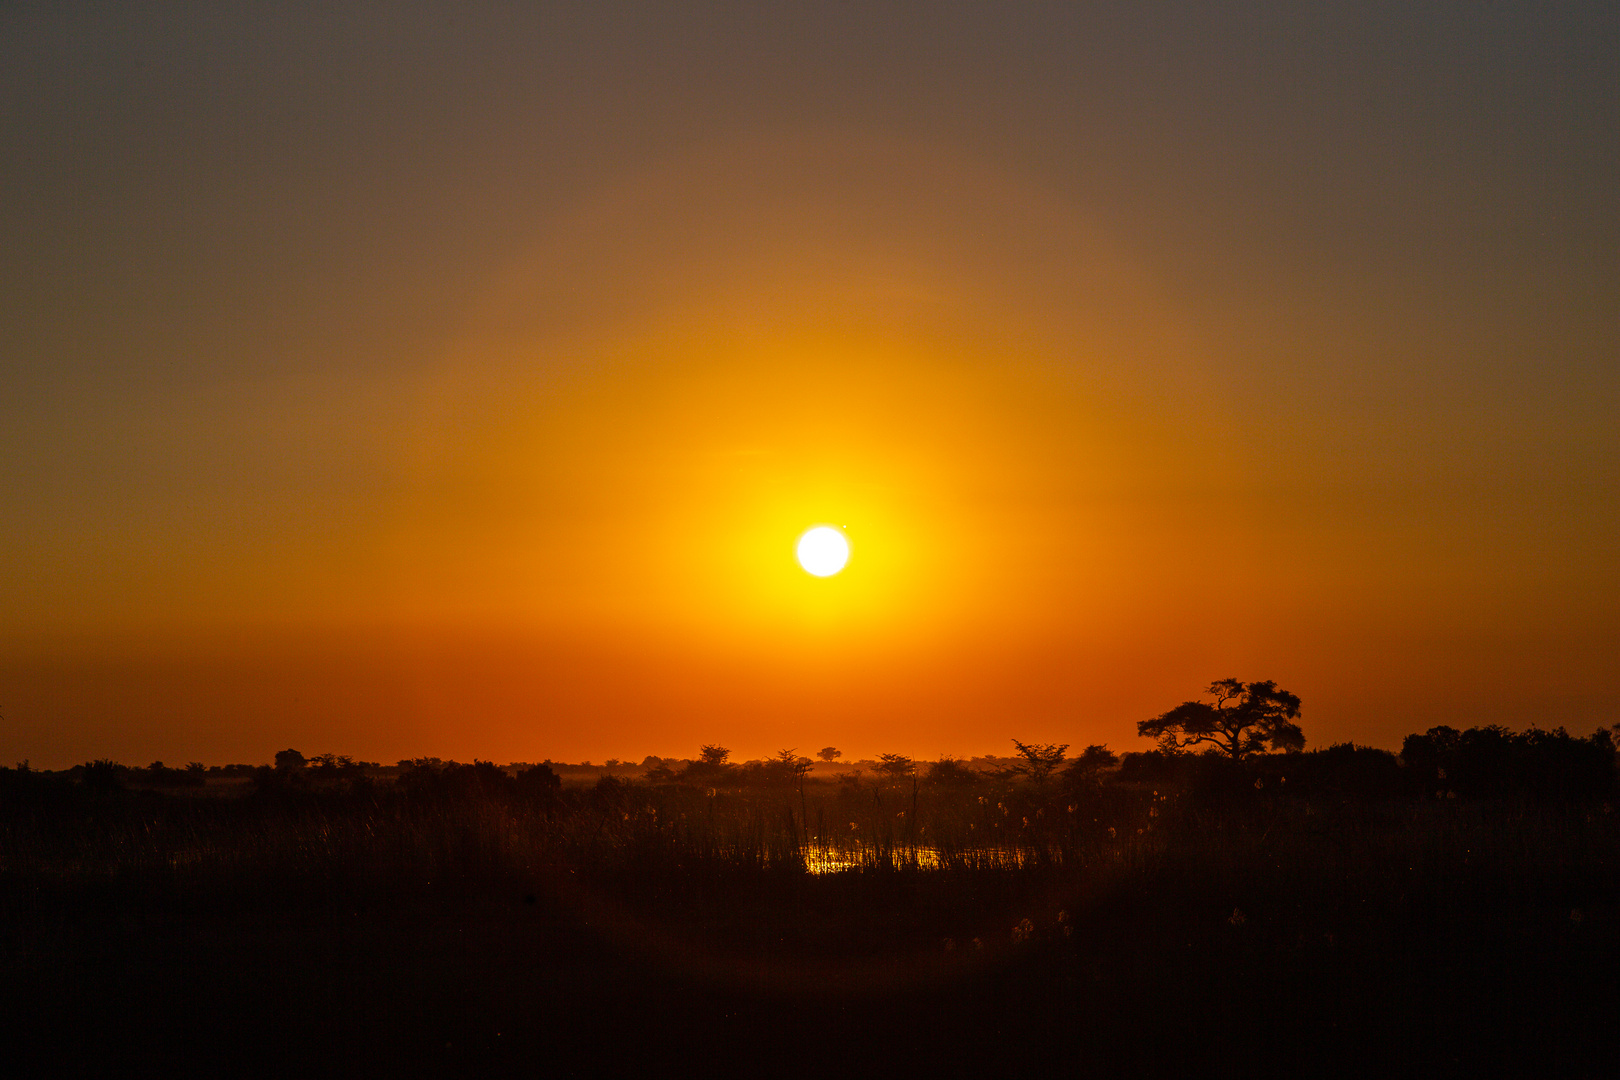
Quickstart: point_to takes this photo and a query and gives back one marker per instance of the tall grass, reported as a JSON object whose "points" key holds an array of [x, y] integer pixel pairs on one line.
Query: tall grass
{"points": [[1263, 842], [826, 826]]}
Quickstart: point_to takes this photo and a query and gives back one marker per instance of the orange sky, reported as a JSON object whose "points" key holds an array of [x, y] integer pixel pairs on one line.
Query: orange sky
{"points": [[555, 515]]}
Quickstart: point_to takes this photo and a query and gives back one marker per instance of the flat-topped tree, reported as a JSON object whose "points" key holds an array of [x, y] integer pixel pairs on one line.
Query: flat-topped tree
{"points": [[1245, 719]]}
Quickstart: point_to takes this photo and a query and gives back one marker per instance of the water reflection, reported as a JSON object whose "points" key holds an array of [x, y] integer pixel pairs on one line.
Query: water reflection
{"points": [[828, 860]]}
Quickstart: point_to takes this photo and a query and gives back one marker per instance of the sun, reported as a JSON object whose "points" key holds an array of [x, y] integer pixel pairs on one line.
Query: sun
{"points": [[823, 550]]}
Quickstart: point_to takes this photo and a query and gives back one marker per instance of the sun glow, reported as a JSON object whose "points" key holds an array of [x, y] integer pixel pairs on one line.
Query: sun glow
{"points": [[823, 551]]}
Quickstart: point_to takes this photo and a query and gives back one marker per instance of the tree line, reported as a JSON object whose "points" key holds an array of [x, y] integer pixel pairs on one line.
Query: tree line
{"points": [[1247, 733]]}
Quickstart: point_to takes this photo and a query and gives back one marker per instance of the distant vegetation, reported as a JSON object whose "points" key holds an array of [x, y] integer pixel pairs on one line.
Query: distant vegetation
{"points": [[1036, 807], [1042, 892]]}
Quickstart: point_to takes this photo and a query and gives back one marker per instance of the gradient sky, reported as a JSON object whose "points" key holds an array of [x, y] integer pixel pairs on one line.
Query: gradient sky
{"points": [[454, 379]]}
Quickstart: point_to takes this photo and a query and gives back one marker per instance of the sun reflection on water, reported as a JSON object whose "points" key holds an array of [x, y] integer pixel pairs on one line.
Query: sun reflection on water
{"points": [[831, 860]]}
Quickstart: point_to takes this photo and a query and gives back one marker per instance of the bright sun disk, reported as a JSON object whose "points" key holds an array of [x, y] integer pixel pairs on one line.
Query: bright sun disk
{"points": [[823, 551]]}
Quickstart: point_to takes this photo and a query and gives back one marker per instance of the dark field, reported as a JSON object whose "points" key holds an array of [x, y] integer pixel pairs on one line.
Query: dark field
{"points": [[1321, 914]]}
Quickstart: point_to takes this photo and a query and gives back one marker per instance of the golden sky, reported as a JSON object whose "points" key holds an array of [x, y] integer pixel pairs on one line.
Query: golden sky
{"points": [[488, 430]]}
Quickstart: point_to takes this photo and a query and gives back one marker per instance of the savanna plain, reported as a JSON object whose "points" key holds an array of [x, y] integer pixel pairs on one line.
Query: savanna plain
{"points": [[1451, 910]]}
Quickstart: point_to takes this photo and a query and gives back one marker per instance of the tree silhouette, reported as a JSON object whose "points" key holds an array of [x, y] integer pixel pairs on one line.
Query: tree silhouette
{"points": [[539, 783], [102, 776], [950, 772], [711, 767], [1086, 770], [829, 753], [895, 766], [1245, 718], [1039, 760], [789, 764]]}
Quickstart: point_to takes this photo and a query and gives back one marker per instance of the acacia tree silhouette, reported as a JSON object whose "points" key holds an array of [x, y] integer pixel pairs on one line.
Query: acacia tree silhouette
{"points": [[794, 768], [895, 767], [1039, 760], [1246, 718], [791, 765], [711, 767]]}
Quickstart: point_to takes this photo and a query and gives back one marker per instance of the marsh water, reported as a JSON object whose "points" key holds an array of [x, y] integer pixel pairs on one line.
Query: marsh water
{"points": [[830, 860]]}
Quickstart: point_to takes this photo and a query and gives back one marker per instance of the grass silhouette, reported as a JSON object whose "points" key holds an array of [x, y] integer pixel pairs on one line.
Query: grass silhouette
{"points": [[1323, 912]]}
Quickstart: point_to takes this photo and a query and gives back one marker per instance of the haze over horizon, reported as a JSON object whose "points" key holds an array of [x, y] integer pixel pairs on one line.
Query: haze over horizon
{"points": [[455, 381]]}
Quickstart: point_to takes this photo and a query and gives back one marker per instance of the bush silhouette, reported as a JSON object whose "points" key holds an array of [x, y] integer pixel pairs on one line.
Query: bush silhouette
{"points": [[1494, 763], [1348, 771], [102, 777], [538, 783], [949, 772], [1086, 771]]}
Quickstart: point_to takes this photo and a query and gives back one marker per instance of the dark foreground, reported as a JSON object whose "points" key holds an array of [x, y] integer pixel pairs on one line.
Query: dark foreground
{"points": [[1407, 938]]}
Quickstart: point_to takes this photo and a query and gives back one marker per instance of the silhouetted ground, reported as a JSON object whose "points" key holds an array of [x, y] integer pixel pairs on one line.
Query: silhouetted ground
{"points": [[1401, 937]]}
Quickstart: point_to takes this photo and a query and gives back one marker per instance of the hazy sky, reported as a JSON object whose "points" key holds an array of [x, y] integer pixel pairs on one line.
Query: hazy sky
{"points": [[454, 379]]}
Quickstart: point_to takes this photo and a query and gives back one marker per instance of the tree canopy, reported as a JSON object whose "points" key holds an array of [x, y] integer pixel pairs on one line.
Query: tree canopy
{"points": [[895, 766], [1039, 760], [1245, 719]]}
